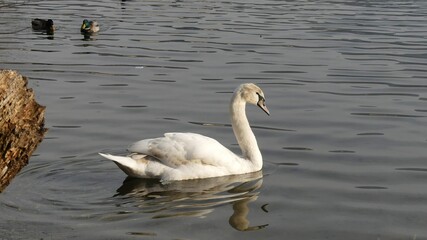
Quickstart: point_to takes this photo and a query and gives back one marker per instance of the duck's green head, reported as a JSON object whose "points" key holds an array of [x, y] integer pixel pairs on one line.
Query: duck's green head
{"points": [[85, 25]]}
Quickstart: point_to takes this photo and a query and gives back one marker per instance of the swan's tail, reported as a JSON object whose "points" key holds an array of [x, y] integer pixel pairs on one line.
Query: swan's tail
{"points": [[131, 165]]}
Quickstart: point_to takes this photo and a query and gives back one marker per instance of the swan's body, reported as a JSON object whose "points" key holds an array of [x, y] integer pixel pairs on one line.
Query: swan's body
{"points": [[182, 156], [89, 27]]}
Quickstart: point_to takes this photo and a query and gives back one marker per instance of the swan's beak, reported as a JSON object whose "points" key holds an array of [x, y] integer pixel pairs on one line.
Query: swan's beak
{"points": [[262, 105]]}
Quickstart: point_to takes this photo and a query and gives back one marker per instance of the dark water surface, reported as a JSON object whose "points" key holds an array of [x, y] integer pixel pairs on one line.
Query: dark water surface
{"points": [[345, 146]]}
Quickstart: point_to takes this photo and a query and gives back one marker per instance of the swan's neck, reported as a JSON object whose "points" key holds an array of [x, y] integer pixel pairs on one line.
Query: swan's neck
{"points": [[243, 132]]}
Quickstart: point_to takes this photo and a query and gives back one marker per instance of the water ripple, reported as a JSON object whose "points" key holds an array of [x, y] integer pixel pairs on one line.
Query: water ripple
{"points": [[387, 115], [367, 94], [252, 126], [343, 151]]}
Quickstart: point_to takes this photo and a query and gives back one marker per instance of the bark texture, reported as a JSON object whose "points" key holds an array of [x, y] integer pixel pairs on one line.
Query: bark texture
{"points": [[21, 124]]}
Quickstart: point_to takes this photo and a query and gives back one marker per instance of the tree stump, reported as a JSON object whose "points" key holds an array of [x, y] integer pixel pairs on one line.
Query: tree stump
{"points": [[21, 124]]}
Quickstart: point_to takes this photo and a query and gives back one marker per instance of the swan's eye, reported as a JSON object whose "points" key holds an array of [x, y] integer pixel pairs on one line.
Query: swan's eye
{"points": [[260, 98]]}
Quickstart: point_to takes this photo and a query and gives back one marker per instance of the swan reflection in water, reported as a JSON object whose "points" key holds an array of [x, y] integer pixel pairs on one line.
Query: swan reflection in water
{"points": [[195, 198]]}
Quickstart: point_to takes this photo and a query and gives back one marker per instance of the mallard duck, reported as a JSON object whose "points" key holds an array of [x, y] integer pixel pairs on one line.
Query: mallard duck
{"points": [[89, 26], [41, 24], [182, 156]]}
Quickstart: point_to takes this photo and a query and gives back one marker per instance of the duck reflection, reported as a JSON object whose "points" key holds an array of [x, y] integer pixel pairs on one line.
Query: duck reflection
{"points": [[89, 36], [195, 198]]}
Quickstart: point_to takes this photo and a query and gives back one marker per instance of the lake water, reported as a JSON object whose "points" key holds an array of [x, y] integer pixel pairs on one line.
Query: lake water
{"points": [[344, 148]]}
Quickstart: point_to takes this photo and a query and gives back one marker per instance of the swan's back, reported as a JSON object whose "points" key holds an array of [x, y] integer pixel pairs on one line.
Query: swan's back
{"points": [[179, 149]]}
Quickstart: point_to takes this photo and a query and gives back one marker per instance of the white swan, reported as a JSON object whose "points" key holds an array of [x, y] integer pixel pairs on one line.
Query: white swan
{"points": [[182, 156]]}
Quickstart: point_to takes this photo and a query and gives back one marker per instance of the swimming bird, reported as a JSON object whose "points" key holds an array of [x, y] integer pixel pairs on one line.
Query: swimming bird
{"points": [[181, 156], [41, 24], [89, 27]]}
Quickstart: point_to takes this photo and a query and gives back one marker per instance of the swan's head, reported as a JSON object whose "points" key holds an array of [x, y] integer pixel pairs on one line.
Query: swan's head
{"points": [[251, 93]]}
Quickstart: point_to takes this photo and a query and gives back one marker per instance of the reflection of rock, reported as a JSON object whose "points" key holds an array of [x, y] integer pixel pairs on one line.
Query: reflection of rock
{"points": [[21, 124], [195, 198]]}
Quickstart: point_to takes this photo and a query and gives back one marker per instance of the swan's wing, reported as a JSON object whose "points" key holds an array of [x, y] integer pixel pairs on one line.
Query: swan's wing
{"points": [[178, 149]]}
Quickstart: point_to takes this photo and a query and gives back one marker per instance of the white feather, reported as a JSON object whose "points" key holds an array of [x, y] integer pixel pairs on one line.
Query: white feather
{"points": [[181, 156]]}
